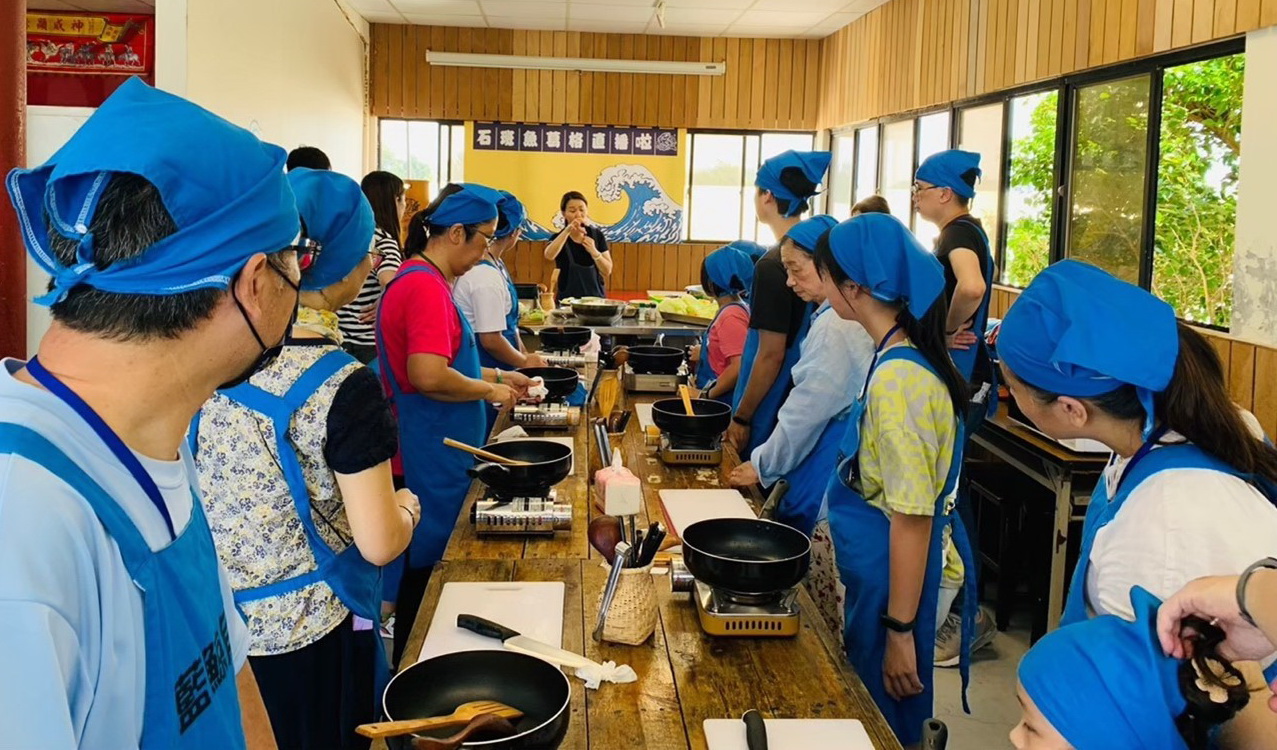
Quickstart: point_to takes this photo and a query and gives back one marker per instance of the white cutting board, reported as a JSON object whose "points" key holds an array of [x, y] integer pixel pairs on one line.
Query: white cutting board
{"points": [[569, 442], [533, 609], [685, 507], [791, 734], [644, 413]]}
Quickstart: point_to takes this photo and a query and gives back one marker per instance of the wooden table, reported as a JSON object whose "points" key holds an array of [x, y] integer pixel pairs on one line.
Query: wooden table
{"points": [[1069, 475], [685, 676]]}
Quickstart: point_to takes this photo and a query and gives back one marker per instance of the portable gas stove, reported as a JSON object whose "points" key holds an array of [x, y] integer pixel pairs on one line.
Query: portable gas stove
{"points": [[546, 415], [521, 515], [680, 450], [571, 358], [725, 613], [639, 382]]}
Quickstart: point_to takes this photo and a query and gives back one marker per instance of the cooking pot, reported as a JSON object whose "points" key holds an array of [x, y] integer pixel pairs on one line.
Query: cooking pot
{"points": [[746, 555], [711, 417], [564, 337], [599, 312], [549, 463], [654, 360], [559, 381]]}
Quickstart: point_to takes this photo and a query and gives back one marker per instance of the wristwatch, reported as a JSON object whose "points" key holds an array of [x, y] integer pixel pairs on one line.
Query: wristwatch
{"points": [[740, 420], [892, 624], [1266, 563]]}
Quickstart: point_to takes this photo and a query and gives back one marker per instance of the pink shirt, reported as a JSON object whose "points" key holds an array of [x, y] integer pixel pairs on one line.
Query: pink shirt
{"points": [[727, 337]]}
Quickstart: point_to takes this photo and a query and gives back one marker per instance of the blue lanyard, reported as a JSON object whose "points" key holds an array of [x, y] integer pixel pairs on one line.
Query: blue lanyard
{"points": [[873, 363], [1144, 450], [113, 441]]}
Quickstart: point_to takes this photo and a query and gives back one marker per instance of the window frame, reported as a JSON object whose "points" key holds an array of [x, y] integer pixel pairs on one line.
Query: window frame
{"points": [[443, 153]]}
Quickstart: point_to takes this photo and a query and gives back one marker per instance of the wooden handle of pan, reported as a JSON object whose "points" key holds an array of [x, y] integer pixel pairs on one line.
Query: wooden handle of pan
{"points": [[481, 453]]}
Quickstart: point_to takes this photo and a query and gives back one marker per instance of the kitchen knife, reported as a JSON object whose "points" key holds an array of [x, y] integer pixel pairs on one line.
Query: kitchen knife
{"points": [[773, 500], [514, 641], [755, 730], [935, 735]]}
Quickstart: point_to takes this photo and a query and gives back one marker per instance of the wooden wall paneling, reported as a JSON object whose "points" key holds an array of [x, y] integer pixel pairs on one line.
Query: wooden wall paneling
{"points": [[1268, 13], [407, 83], [1163, 20], [559, 112], [1265, 399], [572, 112], [958, 55], [1010, 36], [1055, 53], [1241, 374], [1029, 41], [448, 108], [1145, 27], [1222, 348], [980, 42], [719, 92], [1225, 17], [766, 52], [1126, 37], [394, 100], [705, 84], [744, 89], [519, 79], [505, 78], [466, 78], [604, 83], [1082, 39], [785, 81], [665, 101], [1248, 15], [1203, 20], [612, 81], [689, 264], [378, 63], [1112, 30], [545, 113], [927, 52], [1182, 24], [645, 270], [1099, 10]]}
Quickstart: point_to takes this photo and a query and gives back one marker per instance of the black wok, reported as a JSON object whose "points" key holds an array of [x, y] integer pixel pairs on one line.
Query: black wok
{"points": [[559, 381], [746, 555], [710, 420], [564, 337], [655, 360], [436, 686], [550, 464]]}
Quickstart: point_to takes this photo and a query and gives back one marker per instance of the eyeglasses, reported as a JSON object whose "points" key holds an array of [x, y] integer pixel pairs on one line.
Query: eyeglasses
{"points": [[488, 238], [916, 188], [308, 252]]}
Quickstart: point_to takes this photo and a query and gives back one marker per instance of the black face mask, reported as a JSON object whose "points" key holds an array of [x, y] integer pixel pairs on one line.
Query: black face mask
{"points": [[269, 353]]}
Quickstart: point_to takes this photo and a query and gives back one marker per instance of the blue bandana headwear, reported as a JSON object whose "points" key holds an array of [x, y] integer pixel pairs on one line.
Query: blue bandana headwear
{"points": [[1079, 331], [731, 269], [946, 169], [513, 212], [1105, 682], [338, 217], [813, 165], [472, 204], [224, 189], [878, 252], [752, 249], [806, 233]]}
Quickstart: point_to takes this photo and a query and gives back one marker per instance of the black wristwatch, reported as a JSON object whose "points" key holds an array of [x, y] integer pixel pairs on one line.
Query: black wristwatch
{"points": [[1266, 563], [740, 420], [894, 625]]}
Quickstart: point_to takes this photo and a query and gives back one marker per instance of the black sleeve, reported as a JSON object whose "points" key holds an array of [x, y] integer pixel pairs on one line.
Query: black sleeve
{"points": [[771, 305], [361, 427], [600, 241], [961, 234], [561, 260]]}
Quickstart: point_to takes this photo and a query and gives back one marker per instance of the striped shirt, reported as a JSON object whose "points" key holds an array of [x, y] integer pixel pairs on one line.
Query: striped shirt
{"points": [[354, 331]]}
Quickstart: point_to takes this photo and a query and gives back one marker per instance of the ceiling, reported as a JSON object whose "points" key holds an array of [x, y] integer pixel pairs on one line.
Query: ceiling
{"points": [[744, 18], [97, 6]]}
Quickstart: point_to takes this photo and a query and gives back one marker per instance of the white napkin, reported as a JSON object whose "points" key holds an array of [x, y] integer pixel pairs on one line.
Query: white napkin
{"points": [[510, 433], [537, 391], [608, 671], [593, 345]]}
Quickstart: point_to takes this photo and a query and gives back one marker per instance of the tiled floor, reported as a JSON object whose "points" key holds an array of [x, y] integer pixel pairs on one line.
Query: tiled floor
{"points": [[994, 710]]}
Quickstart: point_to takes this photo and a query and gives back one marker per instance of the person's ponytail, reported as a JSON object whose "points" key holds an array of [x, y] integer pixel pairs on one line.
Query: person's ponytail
{"points": [[928, 338]]}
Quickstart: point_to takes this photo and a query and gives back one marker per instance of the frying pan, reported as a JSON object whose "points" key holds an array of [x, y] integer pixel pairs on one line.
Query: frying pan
{"points": [[559, 381], [655, 360], [564, 337], [549, 463], [438, 685], [710, 420], [746, 555], [601, 312]]}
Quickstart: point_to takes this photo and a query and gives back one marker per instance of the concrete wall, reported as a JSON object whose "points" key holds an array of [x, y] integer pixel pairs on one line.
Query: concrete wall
{"points": [[1255, 260]]}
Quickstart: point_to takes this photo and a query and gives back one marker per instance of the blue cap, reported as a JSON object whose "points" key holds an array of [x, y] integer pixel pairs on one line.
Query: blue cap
{"points": [[1105, 682], [752, 249], [472, 204], [1079, 331], [514, 213], [947, 168], [812, 163], [806, 233], [731, 269], [224, 189], [338, 217], [878, 252]]}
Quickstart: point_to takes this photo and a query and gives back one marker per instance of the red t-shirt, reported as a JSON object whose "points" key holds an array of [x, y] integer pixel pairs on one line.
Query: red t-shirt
{"points": [[727, 337], [418, 316]]}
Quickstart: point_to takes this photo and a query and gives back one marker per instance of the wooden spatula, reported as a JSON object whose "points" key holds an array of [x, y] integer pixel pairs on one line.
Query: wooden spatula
{"points": [[462, 716], [686, 395], [481, 727], [485, 455]]}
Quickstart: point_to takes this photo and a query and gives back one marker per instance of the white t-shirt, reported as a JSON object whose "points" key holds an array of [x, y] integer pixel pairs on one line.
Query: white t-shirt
{"points": [[1177, 525], [483, 297], [72, 660]]}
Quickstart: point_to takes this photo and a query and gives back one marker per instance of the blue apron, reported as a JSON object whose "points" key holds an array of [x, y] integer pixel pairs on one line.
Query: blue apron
{"points": [[861, 537], [763, 420], [1145, 463], [510, 334], [966, 359], [437, 474], [705, 373], [800, 507], [191, 699]]}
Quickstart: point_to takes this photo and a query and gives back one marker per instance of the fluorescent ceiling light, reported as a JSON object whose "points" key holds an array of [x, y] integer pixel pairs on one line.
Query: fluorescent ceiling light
{"points": [[584, 64]]}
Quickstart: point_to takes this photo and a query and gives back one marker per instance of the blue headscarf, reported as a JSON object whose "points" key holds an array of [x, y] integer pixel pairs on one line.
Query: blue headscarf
{"points": [[514, 214], [730, 269], [1105, 682], [472, 204], [752, 249], [1079, 331], [338, 217], [813, 165], [878, 252], [224, 189], [805, 234], [946, 169]]}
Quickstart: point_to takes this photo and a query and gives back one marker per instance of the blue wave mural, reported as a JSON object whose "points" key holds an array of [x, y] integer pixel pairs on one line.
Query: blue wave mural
{"points": [[652, 215]]}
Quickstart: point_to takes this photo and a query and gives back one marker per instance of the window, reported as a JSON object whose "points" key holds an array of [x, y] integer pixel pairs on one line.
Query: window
{"points": [[423, 150], [980, 130], [933, 137], [1030, 186], [1197, 188], [721, 185], [1109, 156], [897, 167], [866, 163], [841, 177]]}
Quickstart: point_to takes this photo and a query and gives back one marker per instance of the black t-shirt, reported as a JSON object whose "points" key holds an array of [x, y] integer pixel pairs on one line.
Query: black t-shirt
{"points": [[961, 233], [579, 256], [773, 306], [361, 428]]}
